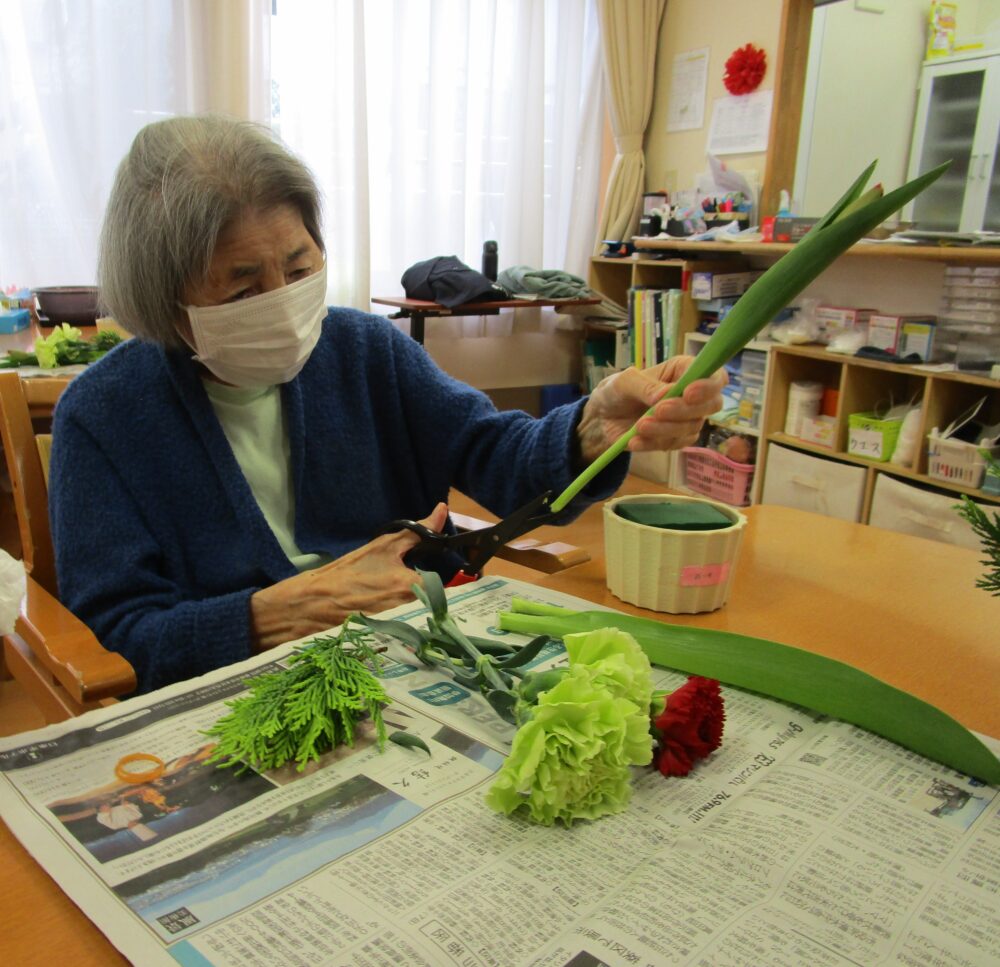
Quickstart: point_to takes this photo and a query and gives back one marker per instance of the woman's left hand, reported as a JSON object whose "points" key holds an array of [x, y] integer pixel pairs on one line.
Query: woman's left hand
{"points": [[622, 398]]}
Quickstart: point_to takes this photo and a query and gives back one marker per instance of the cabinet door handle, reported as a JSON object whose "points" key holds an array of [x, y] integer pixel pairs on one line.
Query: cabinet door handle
{"points": [[982, 166]]}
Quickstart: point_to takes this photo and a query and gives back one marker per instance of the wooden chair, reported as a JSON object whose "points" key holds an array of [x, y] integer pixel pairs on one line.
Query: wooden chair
{"points": [[52, 654]]}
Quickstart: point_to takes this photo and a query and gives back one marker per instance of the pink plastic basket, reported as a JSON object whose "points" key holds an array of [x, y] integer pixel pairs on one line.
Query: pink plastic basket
{"points": [[709, 473]]}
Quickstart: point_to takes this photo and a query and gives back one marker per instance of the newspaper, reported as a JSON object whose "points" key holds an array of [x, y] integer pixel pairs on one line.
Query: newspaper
{"points": [[802, 840]]}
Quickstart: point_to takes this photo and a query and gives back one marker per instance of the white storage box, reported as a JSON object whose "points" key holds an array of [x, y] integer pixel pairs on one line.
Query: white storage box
{"points": [[897, 506], [800, 480]]}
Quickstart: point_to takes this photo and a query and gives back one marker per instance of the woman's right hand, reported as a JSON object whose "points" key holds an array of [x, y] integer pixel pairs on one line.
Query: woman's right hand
{"points": [[369, 579]]}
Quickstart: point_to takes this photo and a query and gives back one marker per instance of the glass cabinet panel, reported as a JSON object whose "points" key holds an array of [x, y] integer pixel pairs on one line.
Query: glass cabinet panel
{"points": [[952, 114], [991, 220]]}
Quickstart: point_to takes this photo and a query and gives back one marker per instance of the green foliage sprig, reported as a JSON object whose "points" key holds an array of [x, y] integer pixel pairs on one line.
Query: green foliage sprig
{"points": [[988, 531], [306, 709]]}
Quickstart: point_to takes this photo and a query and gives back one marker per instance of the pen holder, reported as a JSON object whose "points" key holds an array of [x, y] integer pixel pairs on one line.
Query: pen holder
{"points": [[679, 571]]}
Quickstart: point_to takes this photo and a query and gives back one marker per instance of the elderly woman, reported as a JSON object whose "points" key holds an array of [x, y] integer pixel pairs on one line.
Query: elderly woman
{"points": [[217, 482]]}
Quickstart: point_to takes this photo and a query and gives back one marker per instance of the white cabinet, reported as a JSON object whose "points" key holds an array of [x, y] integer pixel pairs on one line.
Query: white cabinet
{"points": [[958, 120]]}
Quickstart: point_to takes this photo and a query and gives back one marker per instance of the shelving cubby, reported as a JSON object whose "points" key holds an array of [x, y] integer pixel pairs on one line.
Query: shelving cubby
{"points": [[864, 384]]}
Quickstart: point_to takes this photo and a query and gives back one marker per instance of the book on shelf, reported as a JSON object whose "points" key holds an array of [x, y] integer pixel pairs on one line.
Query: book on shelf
{"points": [[654, 321]]}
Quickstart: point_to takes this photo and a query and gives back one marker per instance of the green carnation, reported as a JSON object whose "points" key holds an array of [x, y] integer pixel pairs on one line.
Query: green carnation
{"points": [[46, 353], [571, 759], [48, 348], [617, 661]]}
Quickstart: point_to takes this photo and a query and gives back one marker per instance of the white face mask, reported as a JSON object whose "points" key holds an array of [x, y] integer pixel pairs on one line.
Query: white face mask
{"points": [[263, 340]]}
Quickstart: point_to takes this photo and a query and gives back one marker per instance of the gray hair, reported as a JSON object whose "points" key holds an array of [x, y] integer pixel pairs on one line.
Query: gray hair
{"points": [[182, 182]]}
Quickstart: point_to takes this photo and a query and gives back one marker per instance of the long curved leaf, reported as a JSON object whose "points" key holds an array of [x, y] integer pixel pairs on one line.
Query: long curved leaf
{"points": [[786, 673]]}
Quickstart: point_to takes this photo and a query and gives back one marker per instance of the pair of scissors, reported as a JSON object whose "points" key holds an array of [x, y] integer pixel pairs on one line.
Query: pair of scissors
{"points": [[476, 547]]}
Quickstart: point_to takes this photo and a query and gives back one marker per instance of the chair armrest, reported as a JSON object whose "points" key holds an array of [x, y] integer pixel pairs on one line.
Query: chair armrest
{"points": [[65, 647], [548, 558]]}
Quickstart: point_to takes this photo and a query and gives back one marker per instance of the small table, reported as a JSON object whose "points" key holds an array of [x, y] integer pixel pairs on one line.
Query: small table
{"points": [[417, 310]]}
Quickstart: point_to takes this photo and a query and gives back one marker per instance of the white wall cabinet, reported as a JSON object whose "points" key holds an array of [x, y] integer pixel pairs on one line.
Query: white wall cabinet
{"points": [[958, 120]]}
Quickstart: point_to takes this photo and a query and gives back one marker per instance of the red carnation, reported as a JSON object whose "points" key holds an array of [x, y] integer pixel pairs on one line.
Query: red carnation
{"points": [[745, 69], [690, 725]]}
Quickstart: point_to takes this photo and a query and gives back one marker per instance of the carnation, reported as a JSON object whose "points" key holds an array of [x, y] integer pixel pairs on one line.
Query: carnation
{"points": [[571, 759], [690, 725]]}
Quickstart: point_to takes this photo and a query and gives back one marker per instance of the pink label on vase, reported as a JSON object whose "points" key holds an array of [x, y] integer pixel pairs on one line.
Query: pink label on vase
{"points": [[704, 575]]}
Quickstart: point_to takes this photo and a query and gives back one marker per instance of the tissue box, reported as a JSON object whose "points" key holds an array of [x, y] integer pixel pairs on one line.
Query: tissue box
{"points": [[884, 332], [917, 336], [14, 320], [790, 228]]}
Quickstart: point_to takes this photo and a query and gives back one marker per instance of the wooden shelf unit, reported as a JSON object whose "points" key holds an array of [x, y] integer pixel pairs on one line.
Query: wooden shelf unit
{"points": [[863, 384], [667, 261], [950, 254]]}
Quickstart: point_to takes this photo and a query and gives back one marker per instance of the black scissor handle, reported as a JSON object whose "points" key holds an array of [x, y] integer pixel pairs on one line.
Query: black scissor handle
{"points": [[476, 547]]}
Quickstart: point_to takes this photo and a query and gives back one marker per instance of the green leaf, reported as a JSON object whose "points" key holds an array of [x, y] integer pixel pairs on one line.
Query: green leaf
{"points": [[432, 594], [836, 232], [503, 703], [523, 655], [405, 633], [786, 673], [409, 741]]}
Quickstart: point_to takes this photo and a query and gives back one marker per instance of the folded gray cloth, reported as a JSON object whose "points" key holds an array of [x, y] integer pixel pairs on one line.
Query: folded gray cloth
{"points": [[545, 283]]}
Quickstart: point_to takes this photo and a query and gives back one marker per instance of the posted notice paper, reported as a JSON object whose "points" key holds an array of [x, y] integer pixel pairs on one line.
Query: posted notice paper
{"points": [[688, 79], [740, 124]]}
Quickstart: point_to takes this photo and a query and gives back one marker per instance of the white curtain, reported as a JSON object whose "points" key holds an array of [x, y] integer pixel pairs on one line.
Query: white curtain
{"points": [[77, 81], [432, 125], [436, 125]]}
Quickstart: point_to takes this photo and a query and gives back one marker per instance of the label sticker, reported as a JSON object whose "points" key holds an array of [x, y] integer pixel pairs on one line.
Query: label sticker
{"points": [[704, 575]]}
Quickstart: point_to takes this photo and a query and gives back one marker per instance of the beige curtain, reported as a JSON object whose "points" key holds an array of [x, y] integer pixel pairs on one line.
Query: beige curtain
{"points": [[629, 36]]}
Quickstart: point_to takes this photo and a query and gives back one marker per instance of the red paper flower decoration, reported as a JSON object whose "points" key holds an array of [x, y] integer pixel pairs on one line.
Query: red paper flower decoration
{"points": [[745, 69], [689, 727]]}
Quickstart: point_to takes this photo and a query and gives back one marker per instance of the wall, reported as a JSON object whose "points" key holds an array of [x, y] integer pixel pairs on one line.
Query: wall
{"points": [[674, 160]]}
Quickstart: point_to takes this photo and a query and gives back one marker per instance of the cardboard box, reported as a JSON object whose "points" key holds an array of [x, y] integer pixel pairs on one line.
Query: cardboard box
{"points": [[789, 228], [819, 430], [837, 319], [917, 336], [14, 320], [718, 285]]}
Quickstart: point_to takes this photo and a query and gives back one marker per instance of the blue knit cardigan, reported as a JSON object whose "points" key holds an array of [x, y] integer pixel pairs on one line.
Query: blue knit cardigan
{"points": [[159, 541]]}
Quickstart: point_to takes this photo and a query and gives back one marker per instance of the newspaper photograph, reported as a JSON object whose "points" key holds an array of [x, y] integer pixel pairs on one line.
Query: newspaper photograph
{"points": [[801, 840]]}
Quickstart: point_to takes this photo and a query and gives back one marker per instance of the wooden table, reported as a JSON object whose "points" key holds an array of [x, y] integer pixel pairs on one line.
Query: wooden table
{"points": [[901, 607], [418, 310]]}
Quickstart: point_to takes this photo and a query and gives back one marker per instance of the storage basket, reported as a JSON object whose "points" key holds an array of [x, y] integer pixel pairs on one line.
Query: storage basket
{"points": [[872, 438], [958, 461], [709, 473]]}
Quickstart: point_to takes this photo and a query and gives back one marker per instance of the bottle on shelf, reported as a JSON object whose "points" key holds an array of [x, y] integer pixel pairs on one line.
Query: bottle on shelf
{"points": [[490, 260]]}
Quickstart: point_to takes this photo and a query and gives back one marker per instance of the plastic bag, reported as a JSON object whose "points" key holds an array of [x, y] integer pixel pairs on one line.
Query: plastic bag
{"points": [[12, 589], [737, 446], [908, 441], [803, 327]]}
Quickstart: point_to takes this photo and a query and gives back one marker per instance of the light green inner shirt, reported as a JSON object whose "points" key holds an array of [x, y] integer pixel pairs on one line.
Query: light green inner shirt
{"points": [[254, 423]]}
